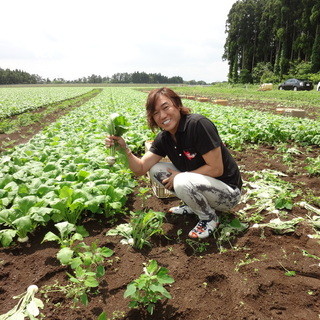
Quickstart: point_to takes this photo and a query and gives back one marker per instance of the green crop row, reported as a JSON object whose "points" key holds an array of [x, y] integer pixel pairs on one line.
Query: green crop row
{"points": [[17, 100], [62, 174], [239, 126]]}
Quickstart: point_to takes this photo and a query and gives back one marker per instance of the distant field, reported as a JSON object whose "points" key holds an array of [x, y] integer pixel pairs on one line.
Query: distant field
{"points": [[16, 100], [251, 92]]}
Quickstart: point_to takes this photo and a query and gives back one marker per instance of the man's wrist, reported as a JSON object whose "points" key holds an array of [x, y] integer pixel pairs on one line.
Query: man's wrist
{"points": [[128, 151]]}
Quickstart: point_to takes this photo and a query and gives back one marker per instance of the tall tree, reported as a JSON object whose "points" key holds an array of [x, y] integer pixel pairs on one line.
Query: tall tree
{"points": [[280, 32]]}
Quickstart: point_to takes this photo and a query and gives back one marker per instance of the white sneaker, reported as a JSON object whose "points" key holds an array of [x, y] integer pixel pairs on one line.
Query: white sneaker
{"points": [[184, 209], [203, 229]]}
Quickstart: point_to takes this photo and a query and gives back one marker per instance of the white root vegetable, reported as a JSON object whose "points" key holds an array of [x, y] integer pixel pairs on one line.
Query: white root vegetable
{"points": [[28, 306], [33, 289], [23, 240], [111, 160]]}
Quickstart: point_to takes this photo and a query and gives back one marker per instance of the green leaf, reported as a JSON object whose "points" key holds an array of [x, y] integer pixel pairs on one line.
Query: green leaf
{"points": [[23, 225], [117, 125], [84, 299], [166, 294], [43, 189], [65, 228], [50, 167], [283, 203], [23, 190], [65, 192], [102, 316], [290, 273], [307, 254], [152, 266], [82, 175], [100, 271], [82, 230], [50, 236], [25, 203], [150, 308], [164, 278], [106, 252], [75, 262], [133, 304], [131, 290], [65, 255], [6, 236], [76, 236], [91, 282], [157, 288]]}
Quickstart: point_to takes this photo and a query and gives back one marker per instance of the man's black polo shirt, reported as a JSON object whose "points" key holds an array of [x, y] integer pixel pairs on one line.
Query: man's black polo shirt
{"points": [[196, 135]]}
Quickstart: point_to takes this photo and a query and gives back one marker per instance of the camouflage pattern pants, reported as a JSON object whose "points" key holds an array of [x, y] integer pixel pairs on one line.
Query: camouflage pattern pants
{"points": [[203, 194]]}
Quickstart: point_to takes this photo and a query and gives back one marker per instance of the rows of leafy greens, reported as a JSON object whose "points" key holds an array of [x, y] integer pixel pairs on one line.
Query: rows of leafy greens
{"points": [[62, 174], [239, 126], [16, 100]]}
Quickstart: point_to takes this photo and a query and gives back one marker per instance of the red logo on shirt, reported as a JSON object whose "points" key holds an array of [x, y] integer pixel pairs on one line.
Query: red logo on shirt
{"points": [[189, 155]]}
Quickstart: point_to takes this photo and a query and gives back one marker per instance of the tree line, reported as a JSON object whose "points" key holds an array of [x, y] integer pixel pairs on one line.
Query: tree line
{"points": [[8, 76], [268, 40], [135, 77]]}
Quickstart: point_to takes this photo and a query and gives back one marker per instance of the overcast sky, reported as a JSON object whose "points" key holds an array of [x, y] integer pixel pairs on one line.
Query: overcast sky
{"points": [[76, 38]]}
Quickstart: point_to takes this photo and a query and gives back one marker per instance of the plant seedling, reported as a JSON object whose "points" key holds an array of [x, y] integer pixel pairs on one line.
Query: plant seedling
{"points": [[197, 246], [144, 226], [67, 234], [143, 194], [148, 289]]}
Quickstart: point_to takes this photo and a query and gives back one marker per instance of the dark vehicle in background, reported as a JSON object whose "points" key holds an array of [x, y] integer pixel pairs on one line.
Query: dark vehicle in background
{"points": [[296, 84]]}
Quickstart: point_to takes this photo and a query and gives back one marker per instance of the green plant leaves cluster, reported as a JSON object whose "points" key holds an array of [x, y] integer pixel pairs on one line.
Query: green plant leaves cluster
{"points": [[149, 288], [64, 169], [140, 229], [313, 166], [238, 126], [85, 260], [117, 125]]}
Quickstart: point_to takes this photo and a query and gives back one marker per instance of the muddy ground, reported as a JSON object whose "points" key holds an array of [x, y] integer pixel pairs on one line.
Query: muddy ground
{"points": [[247, 281]]}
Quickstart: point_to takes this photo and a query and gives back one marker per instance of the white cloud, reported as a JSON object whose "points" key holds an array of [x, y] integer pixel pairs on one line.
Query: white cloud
{"points": [[72, 39]]}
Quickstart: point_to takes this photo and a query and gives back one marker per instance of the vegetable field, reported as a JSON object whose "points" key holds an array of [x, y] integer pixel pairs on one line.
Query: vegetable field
{"points": [[18, 100], [99, 244]]}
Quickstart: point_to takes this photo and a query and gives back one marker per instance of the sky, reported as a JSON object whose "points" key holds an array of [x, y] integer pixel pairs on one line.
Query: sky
{"points": [[72, 39]]}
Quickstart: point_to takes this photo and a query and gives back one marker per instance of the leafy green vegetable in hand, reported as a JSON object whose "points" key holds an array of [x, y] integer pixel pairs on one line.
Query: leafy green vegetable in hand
{"points": [[117, 125]]}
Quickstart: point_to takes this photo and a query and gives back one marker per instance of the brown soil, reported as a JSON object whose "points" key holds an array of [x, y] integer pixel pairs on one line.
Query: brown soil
{"points": [[247, 282], [270, 106]]}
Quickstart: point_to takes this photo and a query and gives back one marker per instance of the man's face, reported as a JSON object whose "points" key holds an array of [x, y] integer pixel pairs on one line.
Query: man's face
{"points": [[166, 115]]}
